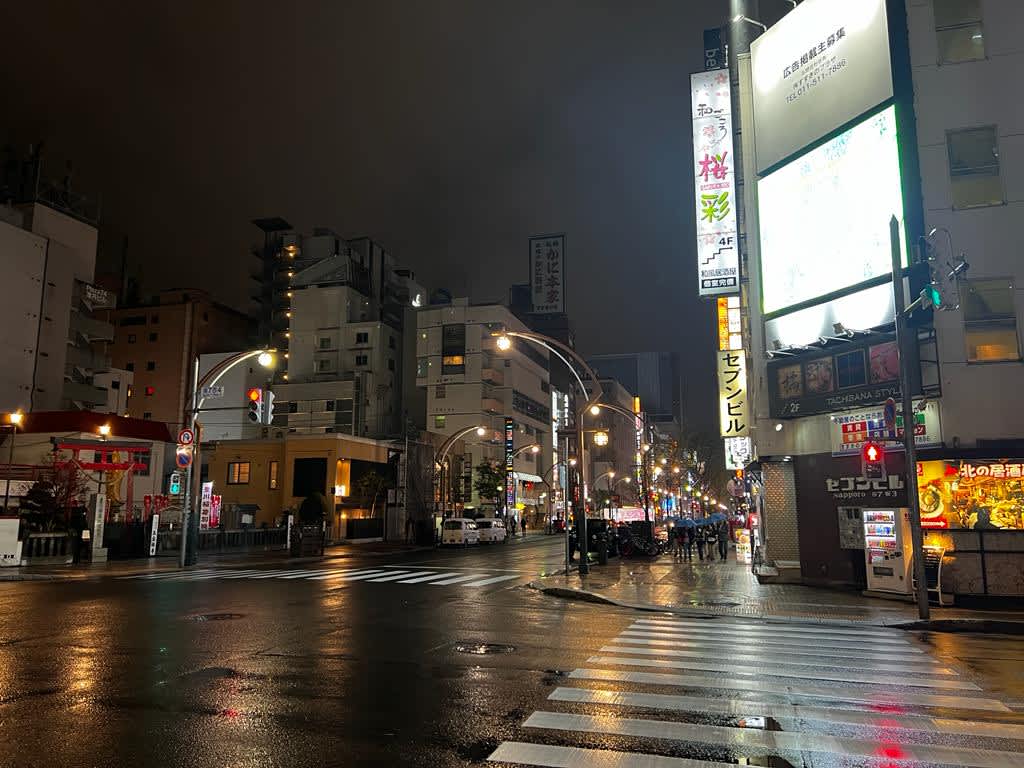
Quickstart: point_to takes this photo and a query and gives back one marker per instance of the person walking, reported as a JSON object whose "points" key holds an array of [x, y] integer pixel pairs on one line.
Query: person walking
{"points": [[699, 539], [723, 539], [677, 543], [688, 532]]}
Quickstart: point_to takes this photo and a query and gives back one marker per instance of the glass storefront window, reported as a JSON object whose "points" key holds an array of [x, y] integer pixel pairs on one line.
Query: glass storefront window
{"points": [[971, 494]]}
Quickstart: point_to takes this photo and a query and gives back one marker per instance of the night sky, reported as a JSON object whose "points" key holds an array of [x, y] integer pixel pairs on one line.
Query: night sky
{"points": [[450, 131]]}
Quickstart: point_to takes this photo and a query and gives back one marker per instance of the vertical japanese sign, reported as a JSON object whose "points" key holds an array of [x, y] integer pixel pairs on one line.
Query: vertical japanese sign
{"points": [[510, 480], [734, 409], [205, 504], [714, 183], [547, 273], [730, 323]]}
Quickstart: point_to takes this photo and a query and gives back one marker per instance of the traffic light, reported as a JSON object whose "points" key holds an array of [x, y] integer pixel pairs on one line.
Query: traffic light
{"points": [[268, 407], [931, 296], [254, 404], [175, 485], [873, 461]]}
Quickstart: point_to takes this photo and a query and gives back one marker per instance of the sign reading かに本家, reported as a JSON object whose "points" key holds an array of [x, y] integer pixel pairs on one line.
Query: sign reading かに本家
{"points": [[714, 184], [547, 274]]}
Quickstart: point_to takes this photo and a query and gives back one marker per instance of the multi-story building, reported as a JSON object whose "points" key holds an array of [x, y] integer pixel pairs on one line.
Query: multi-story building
{"points": [[655, 377], [158, 341], [348, 340], [49, 312], [932, 135], [469, 382], [615, 460]]}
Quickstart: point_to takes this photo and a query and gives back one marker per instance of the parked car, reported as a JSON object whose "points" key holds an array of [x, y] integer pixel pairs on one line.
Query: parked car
{"points": [[459, 531], [491, 530]]}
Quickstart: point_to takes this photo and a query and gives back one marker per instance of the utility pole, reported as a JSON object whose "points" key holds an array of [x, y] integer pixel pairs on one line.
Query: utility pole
{"points": [[903, 339]]}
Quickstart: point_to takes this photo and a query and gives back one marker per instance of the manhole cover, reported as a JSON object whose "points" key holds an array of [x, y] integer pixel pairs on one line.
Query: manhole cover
{"points": [[483, 649], [713, 603], [216, 616]]}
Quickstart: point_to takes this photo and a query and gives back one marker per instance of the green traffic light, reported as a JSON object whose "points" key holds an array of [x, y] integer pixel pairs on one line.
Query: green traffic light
{"points": [[931, 295]]}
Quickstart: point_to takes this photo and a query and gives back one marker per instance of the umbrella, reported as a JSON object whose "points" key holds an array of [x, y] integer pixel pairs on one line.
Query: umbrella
{"points": [[686, 522], [717, 517]]}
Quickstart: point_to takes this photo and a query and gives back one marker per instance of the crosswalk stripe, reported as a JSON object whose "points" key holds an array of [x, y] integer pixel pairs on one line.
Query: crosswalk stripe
{"points": [[492, 580], [849, 675], [768, 640], [845, 693], [457, 579], [785, 660], [872, 633], [431, 577], [906, 656], [783, 712], [400, 574], [338, 574], [167, 575], [310, 574], [548, 756], [373, 574], [770, 631], [770, 741], [275, 574]]}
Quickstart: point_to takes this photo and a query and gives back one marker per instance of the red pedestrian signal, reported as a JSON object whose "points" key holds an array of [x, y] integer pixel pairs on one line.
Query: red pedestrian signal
{"points": [[873, 453], [873, 461]]}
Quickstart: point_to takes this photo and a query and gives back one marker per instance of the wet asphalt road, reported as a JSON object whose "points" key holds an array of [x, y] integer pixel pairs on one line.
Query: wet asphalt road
{"points": [[364, 664]]}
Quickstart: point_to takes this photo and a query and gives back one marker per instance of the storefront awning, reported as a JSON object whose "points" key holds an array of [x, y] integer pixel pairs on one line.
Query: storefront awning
{"points": [[527, 477]]}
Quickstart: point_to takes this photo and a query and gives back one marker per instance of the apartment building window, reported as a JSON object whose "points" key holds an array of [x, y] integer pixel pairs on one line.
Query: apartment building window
{"points": [[131, 338], [133, 320], [129, 366], [362, 337], [324, 366], [974, 174], [453, 349], [293, 407], [150, 366], [440, 392], [324, 342], [154, 319], [958, 31], [147, 415], [272, 475], [439, 422], [238, 472], [329, 405], [115, 383], [152, 337], [990, 320], [391, 364], [421, 367], [362, 360], [391, 342]]}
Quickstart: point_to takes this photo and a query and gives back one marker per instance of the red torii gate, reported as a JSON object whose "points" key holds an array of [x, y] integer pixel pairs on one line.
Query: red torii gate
{"points": [[105, 449]]}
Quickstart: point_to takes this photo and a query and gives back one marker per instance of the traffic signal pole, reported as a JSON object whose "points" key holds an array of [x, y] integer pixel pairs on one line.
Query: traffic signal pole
{"points": [[903, 338]]}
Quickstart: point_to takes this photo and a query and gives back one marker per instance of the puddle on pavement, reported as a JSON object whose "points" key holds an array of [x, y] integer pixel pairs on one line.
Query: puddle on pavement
{"points": [[483, 649], [215, 616]]}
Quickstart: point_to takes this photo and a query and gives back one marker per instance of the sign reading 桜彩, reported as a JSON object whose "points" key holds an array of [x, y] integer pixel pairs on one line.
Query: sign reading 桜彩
{"points": [[734, 408], [714, 184], [547, 274]]}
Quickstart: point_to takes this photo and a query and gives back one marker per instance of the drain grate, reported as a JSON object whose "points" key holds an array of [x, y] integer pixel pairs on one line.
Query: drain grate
{"points": [[483, 649], [216, 616]]}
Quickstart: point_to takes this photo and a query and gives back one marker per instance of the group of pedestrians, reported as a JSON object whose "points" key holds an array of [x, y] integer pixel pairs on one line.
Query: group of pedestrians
{"points": [[704, 537]]}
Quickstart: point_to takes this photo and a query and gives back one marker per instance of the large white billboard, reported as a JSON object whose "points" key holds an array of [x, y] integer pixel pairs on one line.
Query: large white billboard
{"points": [[824, 64], [824, 218], [714, 184]]}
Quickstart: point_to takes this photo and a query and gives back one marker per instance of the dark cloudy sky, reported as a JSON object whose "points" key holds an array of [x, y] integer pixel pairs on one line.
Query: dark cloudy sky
{"points": [[450, 131]]}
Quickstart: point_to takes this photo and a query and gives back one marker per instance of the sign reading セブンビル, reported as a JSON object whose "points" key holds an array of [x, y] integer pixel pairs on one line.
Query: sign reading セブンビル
{"points": [[547, 274], [823, 64], [714, 184], [734, 408]]}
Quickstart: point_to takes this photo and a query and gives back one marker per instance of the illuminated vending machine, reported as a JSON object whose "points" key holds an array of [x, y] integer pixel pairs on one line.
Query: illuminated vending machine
{"points": [[887, 550]]}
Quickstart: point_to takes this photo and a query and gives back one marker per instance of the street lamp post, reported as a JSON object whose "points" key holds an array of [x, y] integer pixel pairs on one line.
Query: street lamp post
{"points": [[13, 419], [644, 481], [190, 521], [442, 453], [566, 353]]}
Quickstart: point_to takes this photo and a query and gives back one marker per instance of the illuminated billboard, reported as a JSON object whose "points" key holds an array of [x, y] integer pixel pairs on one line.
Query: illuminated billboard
{"points": [[824, 218]]}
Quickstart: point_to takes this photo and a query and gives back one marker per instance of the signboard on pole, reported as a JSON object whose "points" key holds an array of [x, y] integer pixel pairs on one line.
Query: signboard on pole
{"points": [[739, 451], [734, 408], [154, 534], [205, 505], [714, 50], [212, 392], [510, 480], [186, 437], [714, 184], [547, 274]]}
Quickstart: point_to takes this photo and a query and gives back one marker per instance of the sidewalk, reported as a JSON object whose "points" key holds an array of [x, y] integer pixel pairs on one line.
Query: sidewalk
{"points": [[712, 589], [169, 562]]}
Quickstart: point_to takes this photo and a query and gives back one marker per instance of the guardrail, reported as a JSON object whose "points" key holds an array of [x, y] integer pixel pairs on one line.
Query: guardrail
{"points": [[42, 548], [216, 540]]}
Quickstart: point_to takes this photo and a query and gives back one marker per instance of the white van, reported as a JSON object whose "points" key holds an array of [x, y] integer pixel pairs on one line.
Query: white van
{"points": [[491, 530], [459, 531]]}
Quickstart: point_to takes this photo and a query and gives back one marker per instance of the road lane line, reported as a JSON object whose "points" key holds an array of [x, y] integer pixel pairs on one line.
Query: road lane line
{"points": [[784, 660], [796, 713], [771, 742], [848, 675], [844, 693], [548, 756]]}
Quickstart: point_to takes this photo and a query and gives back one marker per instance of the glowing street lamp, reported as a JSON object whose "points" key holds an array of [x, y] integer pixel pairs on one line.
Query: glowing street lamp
{"points": [[600, 438]]}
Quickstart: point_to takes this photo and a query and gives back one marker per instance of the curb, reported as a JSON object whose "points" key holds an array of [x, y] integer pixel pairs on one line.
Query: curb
{"points": [[967, 625]]}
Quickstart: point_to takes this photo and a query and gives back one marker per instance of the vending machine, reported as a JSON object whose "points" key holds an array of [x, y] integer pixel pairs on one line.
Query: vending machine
{"points": [[887, 550]]}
